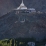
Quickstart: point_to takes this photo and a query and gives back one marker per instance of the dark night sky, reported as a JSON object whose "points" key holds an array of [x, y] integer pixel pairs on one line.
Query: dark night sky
{"points": [[8, 5]]}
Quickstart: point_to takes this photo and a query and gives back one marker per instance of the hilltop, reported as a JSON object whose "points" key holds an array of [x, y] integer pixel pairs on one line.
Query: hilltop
{"points": [[8, 5]]}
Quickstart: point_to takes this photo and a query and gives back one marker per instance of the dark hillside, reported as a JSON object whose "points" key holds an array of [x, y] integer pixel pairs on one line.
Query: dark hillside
{"points": [[34, 26]]}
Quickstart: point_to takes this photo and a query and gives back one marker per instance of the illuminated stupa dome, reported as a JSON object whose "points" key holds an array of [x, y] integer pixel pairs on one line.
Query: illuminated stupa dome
{"points": [[22, 6]]}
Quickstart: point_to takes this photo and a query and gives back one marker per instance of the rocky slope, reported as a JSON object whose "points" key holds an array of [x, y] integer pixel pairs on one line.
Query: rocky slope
{"points": [[34, 26], [8, 5]]}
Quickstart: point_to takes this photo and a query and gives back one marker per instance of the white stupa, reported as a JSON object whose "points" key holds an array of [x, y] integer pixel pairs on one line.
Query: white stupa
{"points": [[22, 6]]}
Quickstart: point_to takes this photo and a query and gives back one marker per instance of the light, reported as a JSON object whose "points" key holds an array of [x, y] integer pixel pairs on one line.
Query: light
{"points": [[22, 6]]}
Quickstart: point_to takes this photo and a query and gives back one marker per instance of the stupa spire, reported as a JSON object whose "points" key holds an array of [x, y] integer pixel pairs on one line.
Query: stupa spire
{"points": [[22, 1], [22, 6]]}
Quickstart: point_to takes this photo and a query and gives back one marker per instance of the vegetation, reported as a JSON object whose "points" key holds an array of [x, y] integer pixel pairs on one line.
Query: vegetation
{"points": [[19, 42], [16, 42]]}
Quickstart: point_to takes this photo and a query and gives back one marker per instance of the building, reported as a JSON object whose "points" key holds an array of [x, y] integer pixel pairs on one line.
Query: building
{"points": [[23, 9], [45, 44], [31, 43]]}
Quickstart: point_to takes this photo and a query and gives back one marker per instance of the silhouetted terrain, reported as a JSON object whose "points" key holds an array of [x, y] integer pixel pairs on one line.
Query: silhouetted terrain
{"points": [[8, 5], [34, 26]]}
